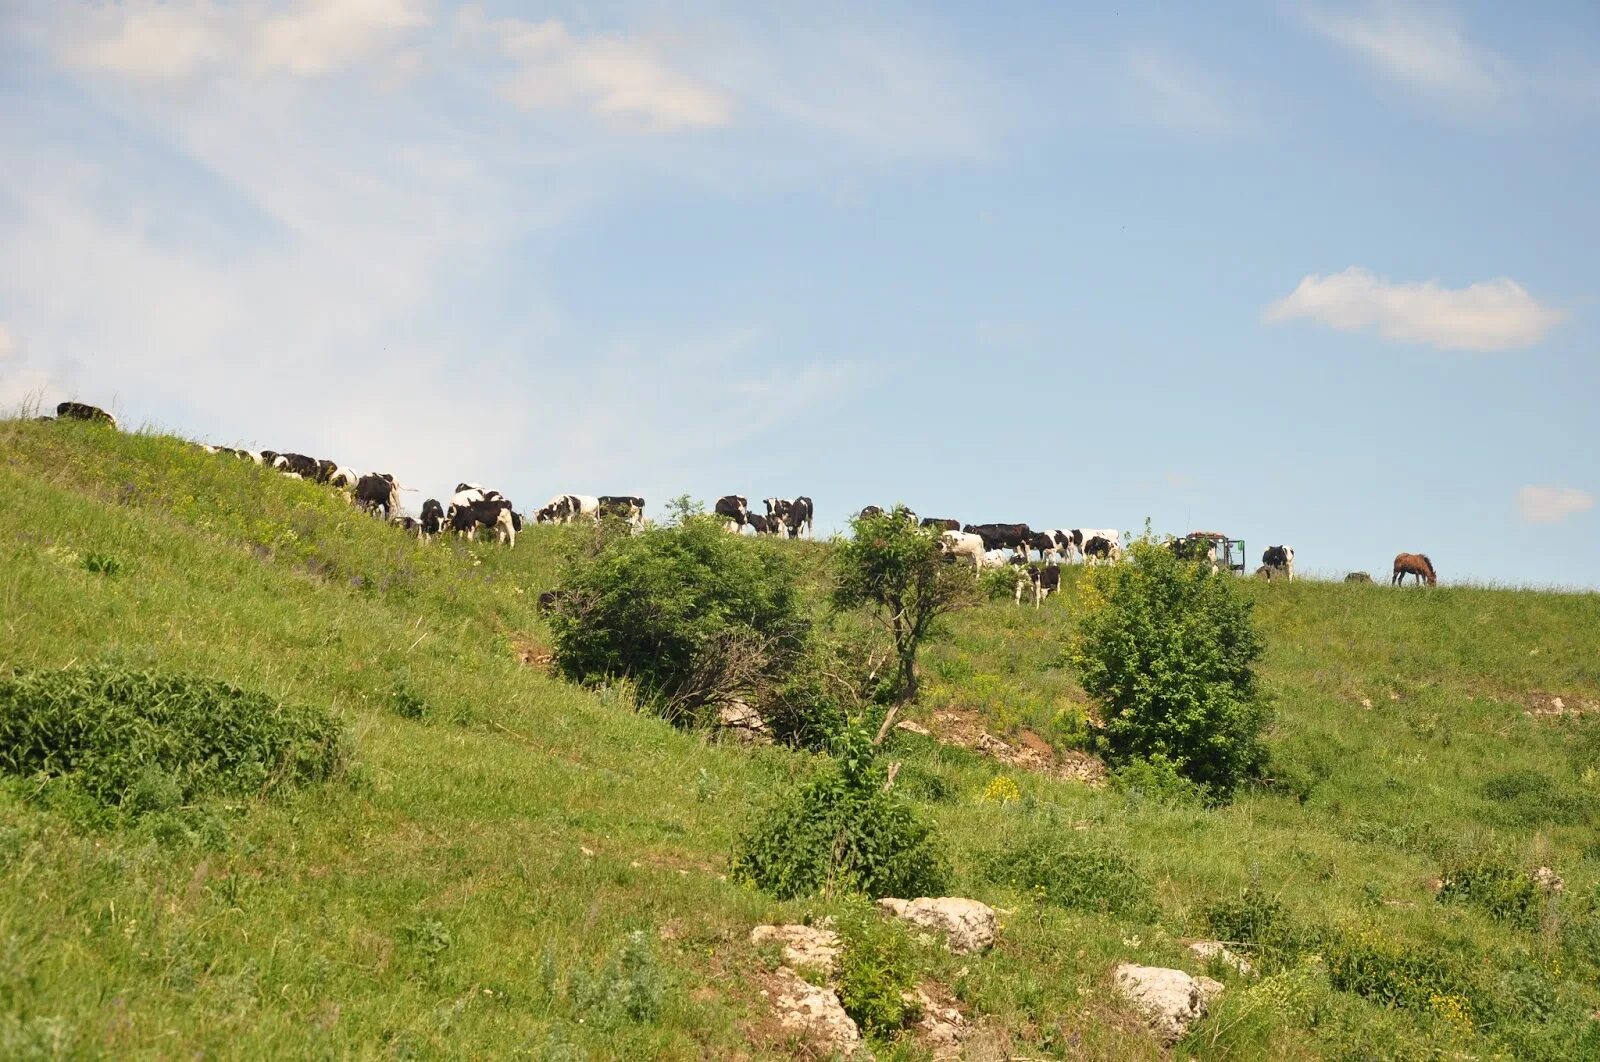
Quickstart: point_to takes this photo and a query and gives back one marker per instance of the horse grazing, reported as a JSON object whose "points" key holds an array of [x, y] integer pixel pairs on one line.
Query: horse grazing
{"points": [[1416, 564]]}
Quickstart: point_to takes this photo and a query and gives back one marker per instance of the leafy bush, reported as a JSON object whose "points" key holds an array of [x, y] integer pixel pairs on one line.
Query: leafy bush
{"points": [[876, 970], [691, 614], [1529, 798], [630, 987], [102, 564], [1157, 780], [843, 832], [1251, 918], [1401, 973], [1167, 649], [1074, 872], [1500, 889], [145, 742]]}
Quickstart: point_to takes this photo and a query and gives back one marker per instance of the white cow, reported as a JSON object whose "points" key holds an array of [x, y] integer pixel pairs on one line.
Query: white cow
{"points": [[961, 544], [566, 508]]}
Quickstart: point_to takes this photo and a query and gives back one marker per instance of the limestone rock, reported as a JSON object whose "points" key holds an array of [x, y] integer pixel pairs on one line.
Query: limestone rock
{"points": [[1170, 1000], [911, 727], [814, 1012], [1207, 950], [803, 945], [941, 1028], [1548, 880], [744, 722], [967, 924]]}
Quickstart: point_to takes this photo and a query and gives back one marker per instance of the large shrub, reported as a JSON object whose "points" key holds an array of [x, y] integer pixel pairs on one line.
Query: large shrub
{"points": [[844, 832], [145, 742], [1167, 649], [692, 615]]}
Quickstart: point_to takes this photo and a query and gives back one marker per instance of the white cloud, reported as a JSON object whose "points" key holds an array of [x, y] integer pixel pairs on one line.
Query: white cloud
{"points": [[1548, 505], [1494, 314], [1425, 48], [184, 40], [1172, 94], [624, 80]]}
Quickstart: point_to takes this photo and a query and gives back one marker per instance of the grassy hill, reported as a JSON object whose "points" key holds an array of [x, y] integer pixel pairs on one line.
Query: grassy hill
{"points": [[516, 867]]}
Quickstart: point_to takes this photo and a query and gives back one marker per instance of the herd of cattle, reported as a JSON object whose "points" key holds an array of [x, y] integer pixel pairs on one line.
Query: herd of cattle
{"points": [[990, 545]]}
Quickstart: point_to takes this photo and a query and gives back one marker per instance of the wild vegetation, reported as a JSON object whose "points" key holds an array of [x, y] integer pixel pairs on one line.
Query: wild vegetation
{"points": [[493, 860]]}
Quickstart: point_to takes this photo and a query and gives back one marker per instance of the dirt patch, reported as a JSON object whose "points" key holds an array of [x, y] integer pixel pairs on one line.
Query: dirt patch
{"points": [[1542, 704], [1027, 751], [532, 653]]}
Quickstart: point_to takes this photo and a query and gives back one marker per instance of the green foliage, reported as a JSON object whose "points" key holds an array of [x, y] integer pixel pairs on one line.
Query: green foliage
{"points": [[1496, 887], [1168, 650], [1068, 870], [842, 832], [1532, 798], [148, 742], [102, 564], [1401, 973], [1158, 781], [1252, 917], [630, 988], [894, 568], [876, 970], [691, 614]]}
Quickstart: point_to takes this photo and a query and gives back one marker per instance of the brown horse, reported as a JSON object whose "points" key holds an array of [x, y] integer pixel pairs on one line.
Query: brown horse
{"points": [[1416, 564]]}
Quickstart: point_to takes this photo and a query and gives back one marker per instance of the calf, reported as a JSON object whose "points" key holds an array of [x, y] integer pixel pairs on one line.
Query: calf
{"points": [[1002, 536], [1075, 538], [1045, 580], [496, 514], [734, 508], [1280, 557], [623, 506], [378, 490], [778, 513], [565, 508], [408, 525], [760, 524], [1358, 577], [942, 523], [81, 411], [432, 517], [962, 544]]}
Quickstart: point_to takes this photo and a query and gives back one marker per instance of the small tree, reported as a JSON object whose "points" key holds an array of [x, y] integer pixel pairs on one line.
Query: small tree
{"points": [[895, 569], [1168, 648]]}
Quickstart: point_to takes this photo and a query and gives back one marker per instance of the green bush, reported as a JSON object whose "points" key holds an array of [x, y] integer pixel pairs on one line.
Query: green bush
{"points": [[1167, 649], [843, 832], [1074, 872], [1503, 891], [1252, 917], [1400, 973], [876, 970], [691, 614], [1158, 781], [1529, 798], [145, 742], [630, 988]]}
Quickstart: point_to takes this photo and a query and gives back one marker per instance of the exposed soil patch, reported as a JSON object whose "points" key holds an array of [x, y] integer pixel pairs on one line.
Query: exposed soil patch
{"points": [[1542, 704], [532, 653], [1027, 751]]}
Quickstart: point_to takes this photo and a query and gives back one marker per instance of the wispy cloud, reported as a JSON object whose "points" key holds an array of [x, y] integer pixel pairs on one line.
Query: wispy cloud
{"points": [[1172, 93], [1425, 48], [624, 79], [1491, 315], [1549, 505]]}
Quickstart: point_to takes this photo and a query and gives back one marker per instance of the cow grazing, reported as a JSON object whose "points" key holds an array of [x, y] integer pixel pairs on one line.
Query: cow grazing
{"points": [[496, 513], [1098, 547], [81, 411], [343, 478], [734, 508], [268, 458], [1280, 557], [942, 523], [408, 525], [1074, 539], [432, 517], [960, 544], [1002, 536], [325, 470], [871, 510], [1358, 577], [378, 490], [623, 507], [301, 465], [566, 508], [1050, 544], [1045, 580]]}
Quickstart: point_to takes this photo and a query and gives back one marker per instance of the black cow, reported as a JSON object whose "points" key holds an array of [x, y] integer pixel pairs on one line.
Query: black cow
{"points": [[1281, 557], [432, 517], [942, 523], [81, 411], [301, 465], [1002, 536], [801, 517], [551, 600], [760, 524], [407, 524], [378, 490], [623, 506], [497, 514], [734, 508]]}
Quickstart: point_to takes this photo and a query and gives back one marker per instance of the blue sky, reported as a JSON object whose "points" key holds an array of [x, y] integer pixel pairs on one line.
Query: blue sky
{"points": [[1314, 273]]}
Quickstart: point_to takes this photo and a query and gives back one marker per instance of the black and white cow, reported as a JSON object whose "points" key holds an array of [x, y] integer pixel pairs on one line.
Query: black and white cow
{"points": [[1045, 580], [963, 544], [623, 507], [760, 524], [343, 478], [777, 514], [1002, 536], [942, 523], [408, 525], [378, 490], [1280, 557], [566, 508], [496, 513], [83, 411], [301, 465], [432, 517], [734, 508], [1101, 548], [1077, 537], [801, 517]]}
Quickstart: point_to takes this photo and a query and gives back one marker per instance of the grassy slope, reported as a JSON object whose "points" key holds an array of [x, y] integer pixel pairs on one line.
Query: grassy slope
{"points": [[319, 924]]}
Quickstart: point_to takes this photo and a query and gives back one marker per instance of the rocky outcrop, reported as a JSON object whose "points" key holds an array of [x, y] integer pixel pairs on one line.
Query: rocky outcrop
{"points": [[967, 925], [1209, 950], [1169, 1000], [744, 723], [814, 1012], [810, 946]]}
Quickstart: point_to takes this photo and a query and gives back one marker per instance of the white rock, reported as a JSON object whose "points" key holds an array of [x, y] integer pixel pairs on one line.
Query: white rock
{"points": [[802, 945], [1548, 880], [967, 924], [744, 721], [1170, 1000], [911, 727], [1207, 950], [943, 1028], [815, 1012]]}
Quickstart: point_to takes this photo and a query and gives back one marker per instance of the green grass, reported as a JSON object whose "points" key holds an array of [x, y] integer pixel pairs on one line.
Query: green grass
{"points": [[514, 866]]}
